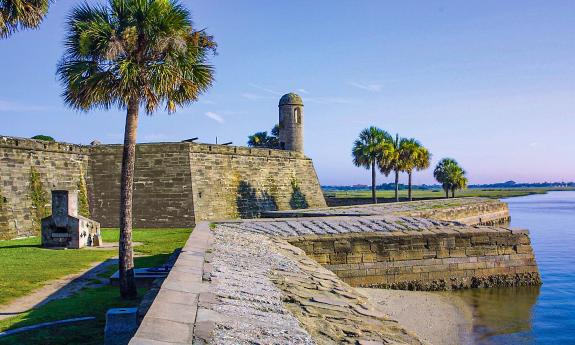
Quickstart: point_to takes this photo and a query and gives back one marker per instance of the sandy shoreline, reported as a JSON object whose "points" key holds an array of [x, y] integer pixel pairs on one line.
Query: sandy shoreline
{"points": [[437, 319]]}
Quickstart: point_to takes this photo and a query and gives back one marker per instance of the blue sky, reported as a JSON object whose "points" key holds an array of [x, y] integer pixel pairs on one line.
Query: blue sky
{"points": [[489, 83]]}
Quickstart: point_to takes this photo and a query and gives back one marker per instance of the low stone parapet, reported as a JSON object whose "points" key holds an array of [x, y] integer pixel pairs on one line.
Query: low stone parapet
{"points": [[435, 259], [469, 211]]}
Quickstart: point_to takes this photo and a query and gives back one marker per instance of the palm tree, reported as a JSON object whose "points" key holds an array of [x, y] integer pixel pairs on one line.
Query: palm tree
{"points": [[414, 157], [368, 150], [392, 161], [458, 180], [127, 54], [262, 139], [21, 14], [450, 175]]}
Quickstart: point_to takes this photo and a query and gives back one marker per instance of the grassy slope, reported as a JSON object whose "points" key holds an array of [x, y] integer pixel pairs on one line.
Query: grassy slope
{"points": [[431, 194], [26, 266]]}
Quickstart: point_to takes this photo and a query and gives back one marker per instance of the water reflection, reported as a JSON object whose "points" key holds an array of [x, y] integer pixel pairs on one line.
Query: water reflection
{"points": [[501, 311]]}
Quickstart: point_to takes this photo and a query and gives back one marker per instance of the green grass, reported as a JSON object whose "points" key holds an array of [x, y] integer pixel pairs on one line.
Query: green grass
{"points": [[434, 194], [26, 266], [88, 302]]}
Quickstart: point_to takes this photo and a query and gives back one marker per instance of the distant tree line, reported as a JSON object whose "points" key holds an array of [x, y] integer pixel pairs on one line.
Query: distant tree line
{"points": [[391, 186]]}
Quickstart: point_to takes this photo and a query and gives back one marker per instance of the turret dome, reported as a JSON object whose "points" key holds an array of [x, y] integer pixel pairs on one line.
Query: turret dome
{"points": [[291, 99]]}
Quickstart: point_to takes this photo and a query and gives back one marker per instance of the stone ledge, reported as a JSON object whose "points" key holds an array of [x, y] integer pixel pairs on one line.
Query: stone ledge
{"points": [[172, 316]]}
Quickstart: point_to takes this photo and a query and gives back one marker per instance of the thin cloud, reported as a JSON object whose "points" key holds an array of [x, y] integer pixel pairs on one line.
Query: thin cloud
{"points": [[270, 91], [372, 87], [304, 91], [207, 101], [330, 100], [6, 106], [215, 117], [251, 96]]}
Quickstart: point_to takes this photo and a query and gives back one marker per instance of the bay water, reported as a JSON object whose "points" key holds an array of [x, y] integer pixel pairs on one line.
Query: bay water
{"points": [[534, 315]]}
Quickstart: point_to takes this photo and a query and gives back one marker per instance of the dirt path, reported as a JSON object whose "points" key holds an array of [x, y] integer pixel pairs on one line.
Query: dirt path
{"points": [[58, 289]]}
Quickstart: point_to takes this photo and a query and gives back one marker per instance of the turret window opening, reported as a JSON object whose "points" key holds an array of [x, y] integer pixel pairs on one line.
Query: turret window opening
{"points": [[297, 116]]}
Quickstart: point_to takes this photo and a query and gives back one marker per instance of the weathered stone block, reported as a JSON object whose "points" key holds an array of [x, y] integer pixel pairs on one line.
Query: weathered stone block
{"points": [[342, 246]]}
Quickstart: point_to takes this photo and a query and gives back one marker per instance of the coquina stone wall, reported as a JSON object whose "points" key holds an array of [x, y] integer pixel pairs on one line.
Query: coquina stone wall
{"points": [[239, 182], [162, 185], [29, 170], [176, 184], [436, 259]]}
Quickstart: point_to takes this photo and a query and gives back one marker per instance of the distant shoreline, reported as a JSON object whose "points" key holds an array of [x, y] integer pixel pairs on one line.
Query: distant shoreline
{"points": [[364, 195]]}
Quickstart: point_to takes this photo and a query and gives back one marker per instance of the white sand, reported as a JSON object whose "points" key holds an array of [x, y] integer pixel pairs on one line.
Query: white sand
{"points": [[437, 319]]}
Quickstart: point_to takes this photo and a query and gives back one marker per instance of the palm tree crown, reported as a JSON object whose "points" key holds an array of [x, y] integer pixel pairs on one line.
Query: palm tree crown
{"points": [[21, 14], [143, 51], [367, 149]]}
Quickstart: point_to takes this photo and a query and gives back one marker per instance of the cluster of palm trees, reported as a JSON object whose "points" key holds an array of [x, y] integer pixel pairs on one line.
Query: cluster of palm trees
{"points": [[377, 149], [129, 54], [450, 175]]}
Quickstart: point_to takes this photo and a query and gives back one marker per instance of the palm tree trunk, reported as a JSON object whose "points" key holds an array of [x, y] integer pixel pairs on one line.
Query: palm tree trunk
{"points": [[453, 193], [409, 184], [126, 254], [373, 196], [397, 185], [446, 192]]}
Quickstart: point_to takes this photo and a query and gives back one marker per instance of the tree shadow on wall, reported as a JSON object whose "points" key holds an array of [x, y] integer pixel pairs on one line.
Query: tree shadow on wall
{"points": [[250, 204], [298, 199]]}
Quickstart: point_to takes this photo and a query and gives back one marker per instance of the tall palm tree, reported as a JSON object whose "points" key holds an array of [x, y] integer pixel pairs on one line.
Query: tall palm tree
{"points": [[21, 14], [127, 54], [414, 157], [368, 150]]}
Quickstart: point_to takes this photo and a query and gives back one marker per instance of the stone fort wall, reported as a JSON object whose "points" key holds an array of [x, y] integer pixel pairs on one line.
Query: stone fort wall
{"points": [[29, 169], [176, 184]]}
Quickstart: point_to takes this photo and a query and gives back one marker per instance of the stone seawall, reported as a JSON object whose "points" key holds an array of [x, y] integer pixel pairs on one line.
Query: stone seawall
{"points": [[429, 260], [409, 253], [175, 184]]}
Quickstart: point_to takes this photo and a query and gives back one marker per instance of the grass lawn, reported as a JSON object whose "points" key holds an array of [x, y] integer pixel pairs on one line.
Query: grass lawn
{"points": [[25, 266], [433, 194]]}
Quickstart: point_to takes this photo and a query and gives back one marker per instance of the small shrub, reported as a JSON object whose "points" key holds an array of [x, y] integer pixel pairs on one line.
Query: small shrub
{"points": [[44, 138]]}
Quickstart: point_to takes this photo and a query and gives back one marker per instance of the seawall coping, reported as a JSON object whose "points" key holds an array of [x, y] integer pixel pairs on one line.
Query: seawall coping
{"points": [[172, 316]]}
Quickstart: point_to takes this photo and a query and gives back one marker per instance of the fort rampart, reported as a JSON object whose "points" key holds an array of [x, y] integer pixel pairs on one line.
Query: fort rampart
{"points": [[176, 184]]}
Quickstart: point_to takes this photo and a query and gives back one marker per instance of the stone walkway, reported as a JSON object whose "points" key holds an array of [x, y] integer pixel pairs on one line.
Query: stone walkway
{"points": [[58, 289]]}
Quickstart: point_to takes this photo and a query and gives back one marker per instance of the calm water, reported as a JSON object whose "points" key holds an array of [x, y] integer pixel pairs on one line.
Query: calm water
{"points": [[534, 315]]}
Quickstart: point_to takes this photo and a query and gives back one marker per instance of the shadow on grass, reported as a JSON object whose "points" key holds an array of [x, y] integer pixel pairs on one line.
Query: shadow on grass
{"points": [[17, 246], [83, 301]]}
